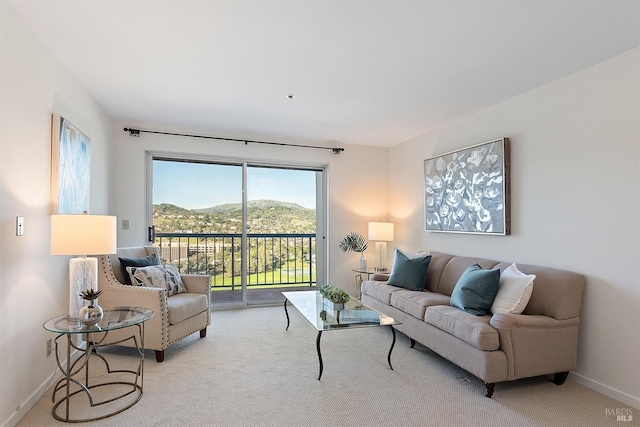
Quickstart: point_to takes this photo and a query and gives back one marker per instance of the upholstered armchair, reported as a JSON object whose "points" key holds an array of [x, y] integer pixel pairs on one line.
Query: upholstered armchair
{"points": [[176, 316]]}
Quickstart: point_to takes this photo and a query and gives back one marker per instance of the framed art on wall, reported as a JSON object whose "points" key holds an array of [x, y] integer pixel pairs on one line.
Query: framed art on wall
{"points": [[70, 168], [467, 191]]}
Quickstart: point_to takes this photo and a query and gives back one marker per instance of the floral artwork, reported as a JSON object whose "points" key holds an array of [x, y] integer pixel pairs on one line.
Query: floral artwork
{"points": [[467, 191]]}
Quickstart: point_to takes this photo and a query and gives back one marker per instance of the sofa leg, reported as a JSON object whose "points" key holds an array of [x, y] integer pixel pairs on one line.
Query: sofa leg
{"points": [[413, 342], [203, 333], [159, 356], [490, 388], [560, 377]]}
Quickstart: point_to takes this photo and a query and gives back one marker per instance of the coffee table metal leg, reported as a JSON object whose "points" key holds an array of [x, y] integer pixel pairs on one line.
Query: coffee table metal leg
{"points": [[319, 354], [392, 344], [286, 313]]}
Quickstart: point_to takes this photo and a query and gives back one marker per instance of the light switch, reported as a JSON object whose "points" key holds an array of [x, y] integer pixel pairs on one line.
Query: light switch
{"points": [[19, 226], [125, 224]]}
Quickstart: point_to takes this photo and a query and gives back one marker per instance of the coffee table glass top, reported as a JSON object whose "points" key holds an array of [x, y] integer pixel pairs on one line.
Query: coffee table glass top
{"points": [[355, 315]]}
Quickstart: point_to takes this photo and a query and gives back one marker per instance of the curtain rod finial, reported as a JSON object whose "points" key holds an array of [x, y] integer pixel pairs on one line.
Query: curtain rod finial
{"points": [[133, 132]]}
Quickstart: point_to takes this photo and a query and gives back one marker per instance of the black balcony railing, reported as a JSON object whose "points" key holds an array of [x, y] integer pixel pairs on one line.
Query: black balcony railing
{"points": [[272, 259]]}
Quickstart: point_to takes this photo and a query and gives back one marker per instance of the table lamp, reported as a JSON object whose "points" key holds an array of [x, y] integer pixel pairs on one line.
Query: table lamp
{"points": [[381, 232], [83, 235]]}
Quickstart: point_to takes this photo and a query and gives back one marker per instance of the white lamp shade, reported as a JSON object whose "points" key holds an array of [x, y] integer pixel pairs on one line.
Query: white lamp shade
{"points": [[83, 234], [381, 231]]}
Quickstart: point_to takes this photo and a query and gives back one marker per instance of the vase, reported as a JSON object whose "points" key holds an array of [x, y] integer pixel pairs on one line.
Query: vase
{"points": [[90, 314], [336, 306], [363, 262]]}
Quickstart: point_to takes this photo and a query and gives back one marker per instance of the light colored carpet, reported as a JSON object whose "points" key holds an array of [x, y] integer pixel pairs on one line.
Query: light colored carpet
{"points": [[249, 371]]}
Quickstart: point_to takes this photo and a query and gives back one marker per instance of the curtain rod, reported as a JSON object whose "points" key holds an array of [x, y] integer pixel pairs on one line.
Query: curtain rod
{"points": [[136, 133]]}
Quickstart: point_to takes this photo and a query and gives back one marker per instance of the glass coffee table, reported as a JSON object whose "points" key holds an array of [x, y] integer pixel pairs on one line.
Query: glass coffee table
{"points": [[314, 308]]}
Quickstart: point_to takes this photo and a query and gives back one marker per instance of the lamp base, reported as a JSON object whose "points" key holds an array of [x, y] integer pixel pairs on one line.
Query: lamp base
{"points": [[83, 275], [381, 256]]}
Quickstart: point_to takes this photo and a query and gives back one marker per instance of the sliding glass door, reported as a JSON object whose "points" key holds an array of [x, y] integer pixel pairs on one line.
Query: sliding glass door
{"points": [[253, 228]]}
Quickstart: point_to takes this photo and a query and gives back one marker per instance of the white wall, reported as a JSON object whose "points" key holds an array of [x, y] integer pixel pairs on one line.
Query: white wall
{"points": [[575, 192], [357, 182], [33, 284]]}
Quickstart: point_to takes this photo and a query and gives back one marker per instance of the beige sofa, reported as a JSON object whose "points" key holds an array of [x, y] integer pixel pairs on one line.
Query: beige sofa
{"points": [[176, 316], [501, 347]]}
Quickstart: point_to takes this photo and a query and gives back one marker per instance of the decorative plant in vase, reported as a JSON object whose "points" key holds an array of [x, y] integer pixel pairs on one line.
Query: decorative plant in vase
{"points": [[335, 298], [92, 313], [355, 242], [334, 294]]}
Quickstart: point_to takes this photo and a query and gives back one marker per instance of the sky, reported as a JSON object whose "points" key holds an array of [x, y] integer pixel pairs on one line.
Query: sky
{"points": [[200, 185]]}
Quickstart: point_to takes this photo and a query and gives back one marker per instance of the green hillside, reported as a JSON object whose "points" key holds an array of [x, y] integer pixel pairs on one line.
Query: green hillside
{"points": [[263, 216]]}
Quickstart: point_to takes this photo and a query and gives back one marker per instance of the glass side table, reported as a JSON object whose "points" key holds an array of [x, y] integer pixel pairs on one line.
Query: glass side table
{"points": [[368, 272], [81, 392]]}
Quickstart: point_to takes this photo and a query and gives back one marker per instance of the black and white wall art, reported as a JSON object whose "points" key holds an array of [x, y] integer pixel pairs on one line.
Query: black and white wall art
{"points": [[467, 191]]}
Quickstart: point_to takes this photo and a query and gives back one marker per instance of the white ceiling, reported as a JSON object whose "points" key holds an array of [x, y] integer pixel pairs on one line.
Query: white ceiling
{"points": [[363, 72]]}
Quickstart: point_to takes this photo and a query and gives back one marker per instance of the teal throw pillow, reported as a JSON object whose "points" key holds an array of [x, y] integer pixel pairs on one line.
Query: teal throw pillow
{"points": [[408, 272], [476, 289], [136, 262]]}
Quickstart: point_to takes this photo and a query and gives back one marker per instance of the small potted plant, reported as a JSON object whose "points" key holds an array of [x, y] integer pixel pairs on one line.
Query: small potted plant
{"points": [[334, 297], [91, 313], [355, 242]]}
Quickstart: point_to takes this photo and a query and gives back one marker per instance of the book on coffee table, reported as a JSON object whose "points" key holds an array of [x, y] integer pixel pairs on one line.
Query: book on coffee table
{"points": [[359, 316]]}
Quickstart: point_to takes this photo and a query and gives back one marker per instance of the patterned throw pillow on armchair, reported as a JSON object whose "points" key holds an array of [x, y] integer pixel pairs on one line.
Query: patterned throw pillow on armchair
{"points": [[164, 276]]}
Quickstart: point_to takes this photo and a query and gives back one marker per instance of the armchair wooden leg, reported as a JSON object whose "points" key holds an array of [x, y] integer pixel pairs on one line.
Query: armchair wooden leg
{"points": [[490, 388], [203, 333], [560, 377], [159, 356]]}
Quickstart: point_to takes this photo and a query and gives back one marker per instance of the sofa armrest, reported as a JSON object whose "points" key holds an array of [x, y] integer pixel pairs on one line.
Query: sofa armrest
{"points": [[537, 345], [196, 283]]}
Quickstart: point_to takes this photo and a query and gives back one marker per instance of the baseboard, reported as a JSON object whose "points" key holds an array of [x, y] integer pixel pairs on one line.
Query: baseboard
{"points": [[32, 399], [37, 394], [625, 398]]}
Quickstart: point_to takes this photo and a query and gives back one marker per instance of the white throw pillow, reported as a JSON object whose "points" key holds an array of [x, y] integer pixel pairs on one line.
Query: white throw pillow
{"points": [[514, 291]]}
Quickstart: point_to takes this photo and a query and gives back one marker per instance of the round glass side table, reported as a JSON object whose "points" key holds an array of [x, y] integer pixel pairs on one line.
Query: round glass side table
{"points": [[87, 397], [368, 272]]}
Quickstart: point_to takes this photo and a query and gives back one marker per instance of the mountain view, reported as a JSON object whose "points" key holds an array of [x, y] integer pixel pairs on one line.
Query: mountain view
{"points": [[263, 216]]}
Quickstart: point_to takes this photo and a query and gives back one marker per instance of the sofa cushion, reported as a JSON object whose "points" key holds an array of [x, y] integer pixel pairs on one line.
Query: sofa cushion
{"points": [[514, 291], [136, 262], [409, 270], [164, 276], [474, 330], [476, 289], [185, 305], [379, 290], [416, 302]]}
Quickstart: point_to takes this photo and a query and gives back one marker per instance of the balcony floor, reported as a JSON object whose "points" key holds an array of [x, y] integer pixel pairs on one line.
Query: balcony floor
{"points": [[256, 296]]}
